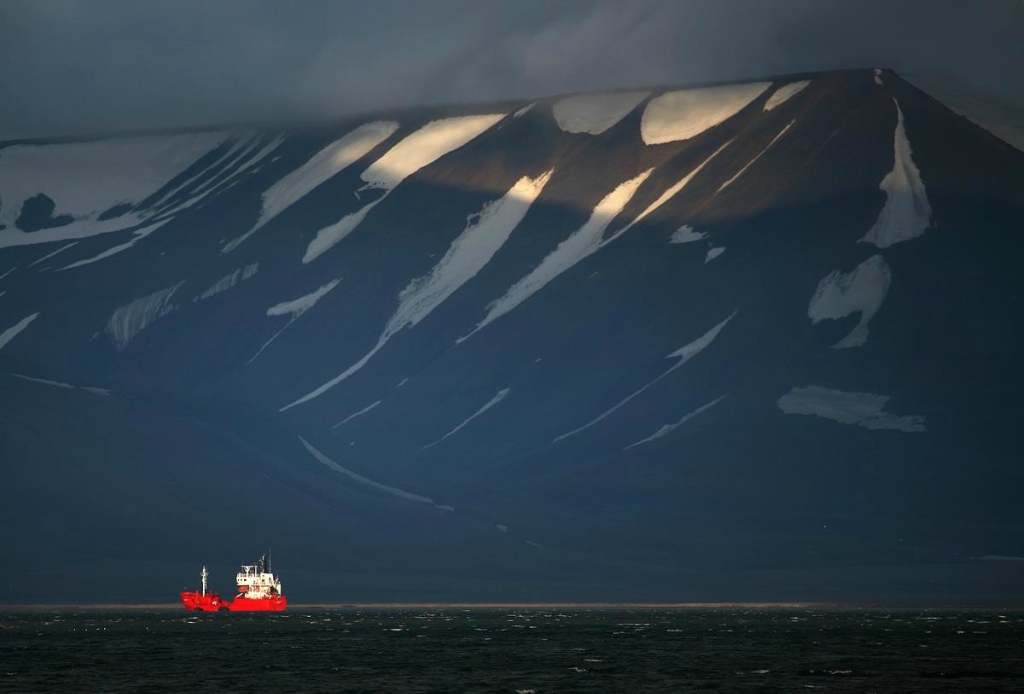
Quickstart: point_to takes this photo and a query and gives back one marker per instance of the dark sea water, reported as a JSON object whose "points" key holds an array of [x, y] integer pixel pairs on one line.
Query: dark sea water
{"points": [[512, 650]]}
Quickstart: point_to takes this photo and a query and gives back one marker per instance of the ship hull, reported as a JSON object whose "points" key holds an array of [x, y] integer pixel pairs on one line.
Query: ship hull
{"points": [[272, 604], [194, 601]]}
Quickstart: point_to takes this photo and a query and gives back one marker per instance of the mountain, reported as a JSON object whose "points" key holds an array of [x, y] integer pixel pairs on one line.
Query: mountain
{"points": [[753, 341]]}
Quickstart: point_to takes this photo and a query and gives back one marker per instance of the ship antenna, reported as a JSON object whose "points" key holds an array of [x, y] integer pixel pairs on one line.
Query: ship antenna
{"points": [[269, 557], [204, 574]]}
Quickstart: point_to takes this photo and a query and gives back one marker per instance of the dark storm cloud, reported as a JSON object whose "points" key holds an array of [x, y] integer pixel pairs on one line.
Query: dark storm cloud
{"points": [[73, 66]]}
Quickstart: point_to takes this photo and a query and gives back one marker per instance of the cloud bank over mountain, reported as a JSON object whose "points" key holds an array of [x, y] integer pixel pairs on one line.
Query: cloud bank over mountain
{"points": [[194, 63]]}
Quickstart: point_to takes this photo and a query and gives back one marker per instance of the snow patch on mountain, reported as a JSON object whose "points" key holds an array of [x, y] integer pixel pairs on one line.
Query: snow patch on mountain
{"points": [[669, 428], [387, 489], [485, 233], [12, 332], [296, 307], [322, 166], [580, 244], [357, 414], [52, 253], [686, 234], [9, 272], [681, 355], [665, 197], [85, 179], [132, 318], [878, 77], [684, 114], [713, 253], [759, 155], [595, 113], [332, 234], [498, 397], [228, 281], [906, 213], [861, 291], [333, 158], [785, 93], [863, 409], [422, 148]]}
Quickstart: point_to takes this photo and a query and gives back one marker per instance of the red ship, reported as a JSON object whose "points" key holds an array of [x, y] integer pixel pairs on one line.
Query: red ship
{"points": [[259, 590]]}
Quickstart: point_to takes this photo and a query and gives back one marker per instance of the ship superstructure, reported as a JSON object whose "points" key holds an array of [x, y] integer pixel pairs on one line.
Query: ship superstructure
{"points": [[259, 590]]}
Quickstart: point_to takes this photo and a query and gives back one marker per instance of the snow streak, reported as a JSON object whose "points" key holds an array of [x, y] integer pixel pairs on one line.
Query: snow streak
{"points": [[393, 491], [356, 414], [420, 149], [295, 308], [12, 332], [906, 213], [237, 142], [138, 235], [580, 244], [131, 319], [524, 110], [759, 155], [332, 159], [485, 233], [490, 403], [44, 381], [666, 196], [681, 355], [228, 281], [669, 428], [53, 253]]}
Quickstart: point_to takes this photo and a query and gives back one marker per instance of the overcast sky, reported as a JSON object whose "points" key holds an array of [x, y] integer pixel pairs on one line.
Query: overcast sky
{"points": [[72, 66]]}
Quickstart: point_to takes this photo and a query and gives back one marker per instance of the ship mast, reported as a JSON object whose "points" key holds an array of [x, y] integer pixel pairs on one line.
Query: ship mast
{"points": [[203, 575]]}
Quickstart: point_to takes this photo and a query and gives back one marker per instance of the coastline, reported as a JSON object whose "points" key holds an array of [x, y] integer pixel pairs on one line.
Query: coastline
{"points": [[463, 606]]}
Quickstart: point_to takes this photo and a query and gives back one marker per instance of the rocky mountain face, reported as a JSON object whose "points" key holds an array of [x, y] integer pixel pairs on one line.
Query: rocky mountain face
{"points": [[750, 341]]}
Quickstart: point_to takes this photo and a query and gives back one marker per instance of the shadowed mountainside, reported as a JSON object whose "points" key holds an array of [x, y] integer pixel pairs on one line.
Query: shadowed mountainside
{"points": [[739, 342]]}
